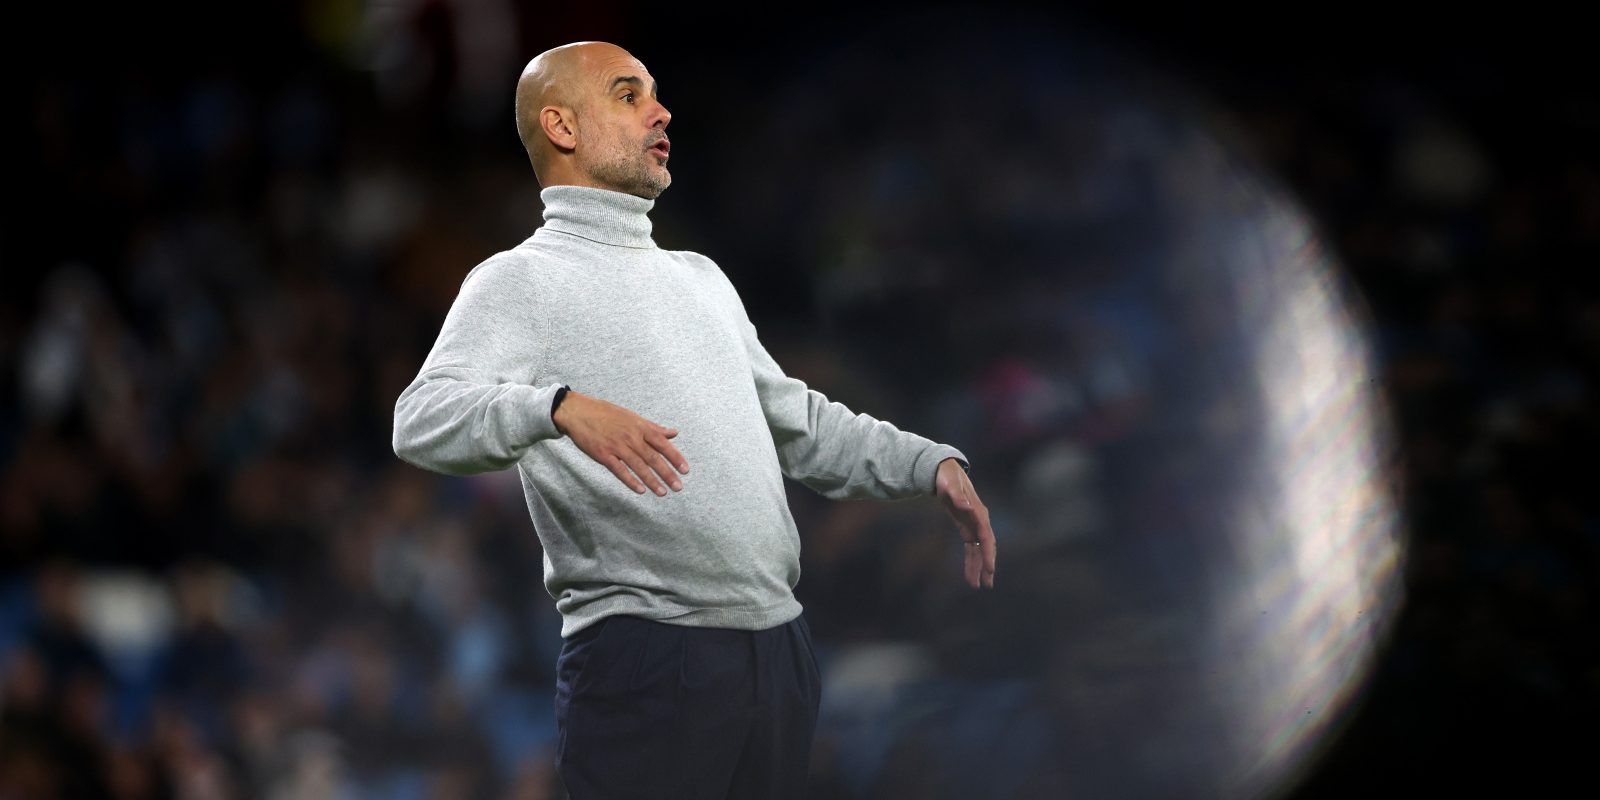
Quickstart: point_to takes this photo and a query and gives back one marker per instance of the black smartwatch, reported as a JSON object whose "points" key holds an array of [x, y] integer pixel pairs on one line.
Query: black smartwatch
{"points": [[561, 394]]}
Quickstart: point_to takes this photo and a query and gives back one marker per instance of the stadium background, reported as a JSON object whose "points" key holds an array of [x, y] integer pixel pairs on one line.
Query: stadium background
{"points": [[231, 233]]}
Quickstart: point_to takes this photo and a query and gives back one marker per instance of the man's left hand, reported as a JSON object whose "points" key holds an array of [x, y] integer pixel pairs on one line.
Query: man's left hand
{"points": [[960, 499]]}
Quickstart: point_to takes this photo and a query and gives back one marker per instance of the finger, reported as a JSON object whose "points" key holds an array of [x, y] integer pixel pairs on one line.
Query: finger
{"points": [[991, 549], [673, 456], [982, 532], [662, 468], [619, 467], [972, 561], [666, 431], [646, 475], [974, 565]]}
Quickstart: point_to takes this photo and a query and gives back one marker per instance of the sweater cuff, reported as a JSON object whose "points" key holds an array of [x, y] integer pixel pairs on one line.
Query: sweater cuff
{"points": [[535, 423], [926, 468]]}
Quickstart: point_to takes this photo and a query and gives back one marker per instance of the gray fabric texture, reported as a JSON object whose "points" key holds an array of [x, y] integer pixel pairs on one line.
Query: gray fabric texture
{"points": [[590, 301]]}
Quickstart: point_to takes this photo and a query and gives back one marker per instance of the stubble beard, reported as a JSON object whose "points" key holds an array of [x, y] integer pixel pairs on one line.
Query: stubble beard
{"points": [[629, 168]]}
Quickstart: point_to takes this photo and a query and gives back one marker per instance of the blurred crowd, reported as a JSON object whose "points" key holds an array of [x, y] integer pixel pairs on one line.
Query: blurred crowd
{"points": [[217, 581]]}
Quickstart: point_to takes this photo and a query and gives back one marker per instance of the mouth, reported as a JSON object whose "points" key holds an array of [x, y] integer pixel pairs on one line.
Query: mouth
{"points": [[662, 148]]}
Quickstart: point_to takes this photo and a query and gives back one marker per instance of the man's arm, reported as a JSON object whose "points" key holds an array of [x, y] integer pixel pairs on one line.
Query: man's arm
{"points": [[472, 407], [836, 452], [843, 455]]}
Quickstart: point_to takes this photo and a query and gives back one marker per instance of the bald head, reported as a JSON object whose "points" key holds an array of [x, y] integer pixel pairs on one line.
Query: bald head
{"points": [[565, 105], [550, 80]]}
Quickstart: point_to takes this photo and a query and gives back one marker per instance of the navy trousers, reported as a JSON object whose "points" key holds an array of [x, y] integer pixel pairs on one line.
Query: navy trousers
{"points": [[647, 709]]}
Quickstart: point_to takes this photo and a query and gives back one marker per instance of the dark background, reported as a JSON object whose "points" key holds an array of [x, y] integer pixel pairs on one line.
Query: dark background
{"points": [[149, 147]]}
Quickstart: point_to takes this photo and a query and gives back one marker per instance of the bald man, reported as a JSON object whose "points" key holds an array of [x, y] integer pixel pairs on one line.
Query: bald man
{"points": [[652, 432]]}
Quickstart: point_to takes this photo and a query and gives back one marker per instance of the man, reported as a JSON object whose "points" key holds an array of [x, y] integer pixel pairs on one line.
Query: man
{"points": [[687, 669]]}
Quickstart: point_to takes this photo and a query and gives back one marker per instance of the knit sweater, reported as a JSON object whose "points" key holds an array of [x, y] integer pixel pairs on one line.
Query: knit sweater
{"points": [[590, 301]]}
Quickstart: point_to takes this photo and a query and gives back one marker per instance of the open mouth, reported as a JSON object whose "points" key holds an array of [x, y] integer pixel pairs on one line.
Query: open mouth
{"points": [[661, 148]]}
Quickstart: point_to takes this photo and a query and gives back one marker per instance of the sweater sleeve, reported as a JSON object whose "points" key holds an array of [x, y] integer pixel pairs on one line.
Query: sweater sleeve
{"points": [[836, 452], [472, 408]]}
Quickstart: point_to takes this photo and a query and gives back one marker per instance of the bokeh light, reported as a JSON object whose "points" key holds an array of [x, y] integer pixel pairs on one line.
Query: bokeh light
{"points": [[1167, 389]]}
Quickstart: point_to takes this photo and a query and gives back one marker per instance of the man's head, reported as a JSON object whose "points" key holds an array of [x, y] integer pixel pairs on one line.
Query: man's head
{"points": [[588, 116]]}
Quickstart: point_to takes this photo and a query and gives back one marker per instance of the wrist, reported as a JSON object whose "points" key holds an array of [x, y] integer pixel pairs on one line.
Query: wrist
{"points": [[555, 406]]}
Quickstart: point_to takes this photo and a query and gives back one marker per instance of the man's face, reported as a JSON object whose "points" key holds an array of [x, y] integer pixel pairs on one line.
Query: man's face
{"points": [[622, 142]]}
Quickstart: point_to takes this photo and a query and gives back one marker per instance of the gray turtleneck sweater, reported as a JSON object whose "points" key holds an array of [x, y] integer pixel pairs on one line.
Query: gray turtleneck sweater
{"points": [[590, 301]]}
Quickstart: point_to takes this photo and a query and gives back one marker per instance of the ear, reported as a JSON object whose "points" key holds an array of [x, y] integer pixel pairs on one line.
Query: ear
{"points": [[560, 126]]}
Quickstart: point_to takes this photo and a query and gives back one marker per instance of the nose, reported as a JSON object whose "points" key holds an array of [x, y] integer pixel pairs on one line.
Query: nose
{"points": [[663, 117]]}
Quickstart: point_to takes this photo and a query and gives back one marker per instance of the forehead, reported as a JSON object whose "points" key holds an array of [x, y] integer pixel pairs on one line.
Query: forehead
{"points": [[607, 68]]}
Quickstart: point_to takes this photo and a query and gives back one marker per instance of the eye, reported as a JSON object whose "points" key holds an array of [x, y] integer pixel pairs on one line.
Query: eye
{"points": [[628, 97]]}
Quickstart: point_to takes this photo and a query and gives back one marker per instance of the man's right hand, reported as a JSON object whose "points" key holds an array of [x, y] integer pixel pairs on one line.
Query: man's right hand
{"points": [[621, 440]]}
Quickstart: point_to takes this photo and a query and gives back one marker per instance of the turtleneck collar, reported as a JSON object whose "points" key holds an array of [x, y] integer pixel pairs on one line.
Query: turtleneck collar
{"points": [[600, 215]]}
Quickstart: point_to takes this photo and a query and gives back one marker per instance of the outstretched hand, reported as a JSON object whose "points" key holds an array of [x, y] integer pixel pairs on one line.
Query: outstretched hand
{"points": [[635, 449], [956, 493]]}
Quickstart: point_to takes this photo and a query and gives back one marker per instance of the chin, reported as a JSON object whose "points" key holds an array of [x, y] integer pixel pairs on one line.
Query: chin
{"points": [[654, 190]]}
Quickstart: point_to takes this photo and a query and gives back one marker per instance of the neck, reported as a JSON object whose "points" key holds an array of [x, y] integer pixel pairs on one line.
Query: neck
{"points": [[601, 215]]}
